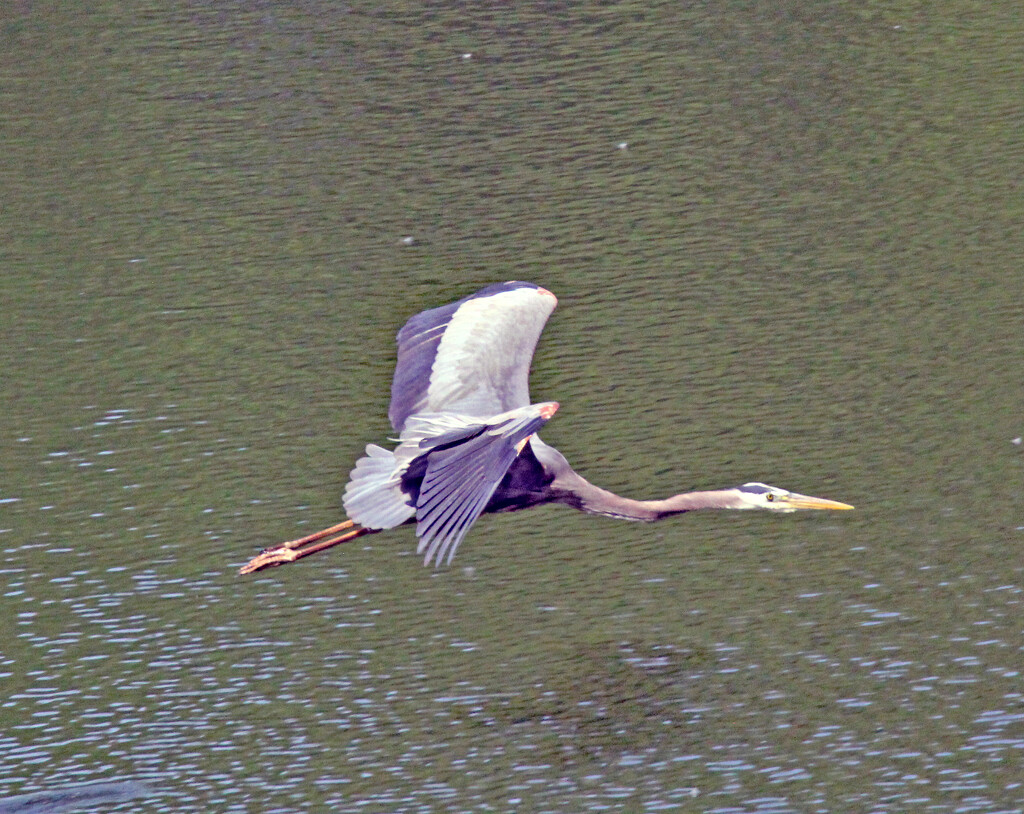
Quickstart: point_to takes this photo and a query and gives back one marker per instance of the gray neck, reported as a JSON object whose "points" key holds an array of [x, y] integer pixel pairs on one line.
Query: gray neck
{"points": [[581, 494]]}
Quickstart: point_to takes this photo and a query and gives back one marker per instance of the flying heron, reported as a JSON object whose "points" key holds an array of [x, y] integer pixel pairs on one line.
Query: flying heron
{"points": [[468, 443]]}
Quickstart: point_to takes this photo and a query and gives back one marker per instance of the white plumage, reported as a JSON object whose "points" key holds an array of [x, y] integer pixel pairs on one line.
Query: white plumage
{"points": [[471, 357], [482, 365]]}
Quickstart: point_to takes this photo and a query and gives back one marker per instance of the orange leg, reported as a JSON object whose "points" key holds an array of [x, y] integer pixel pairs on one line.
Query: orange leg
{"points": [[302, 547]]}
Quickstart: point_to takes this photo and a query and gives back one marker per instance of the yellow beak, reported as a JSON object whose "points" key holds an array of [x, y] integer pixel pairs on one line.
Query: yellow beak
{"points": [[795, 501]]}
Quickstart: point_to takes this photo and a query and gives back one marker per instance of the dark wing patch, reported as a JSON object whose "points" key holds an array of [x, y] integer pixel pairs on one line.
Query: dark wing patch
{"points": [[417, 348], [464, 467], [455, 490]]}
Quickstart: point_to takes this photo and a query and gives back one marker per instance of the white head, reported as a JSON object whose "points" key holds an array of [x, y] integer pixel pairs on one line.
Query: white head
{"points": [[762, 496]]}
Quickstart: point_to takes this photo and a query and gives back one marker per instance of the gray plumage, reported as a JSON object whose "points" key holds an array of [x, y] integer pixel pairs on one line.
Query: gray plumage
{"points": [[460, 401], [467, 440]]}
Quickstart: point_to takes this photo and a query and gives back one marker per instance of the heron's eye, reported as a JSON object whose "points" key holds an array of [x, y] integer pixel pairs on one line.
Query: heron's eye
{"points": [[769, 497]]}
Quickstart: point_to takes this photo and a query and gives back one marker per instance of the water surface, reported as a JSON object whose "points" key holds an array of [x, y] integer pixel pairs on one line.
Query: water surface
{"points": [[786, 244]]}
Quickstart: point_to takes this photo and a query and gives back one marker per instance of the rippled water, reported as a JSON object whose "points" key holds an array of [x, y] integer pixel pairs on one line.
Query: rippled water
{"points": [[786, 245], [132, 652]]}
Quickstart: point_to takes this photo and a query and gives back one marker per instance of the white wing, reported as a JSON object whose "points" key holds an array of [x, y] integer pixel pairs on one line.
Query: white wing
{"points": [[471, 357]]}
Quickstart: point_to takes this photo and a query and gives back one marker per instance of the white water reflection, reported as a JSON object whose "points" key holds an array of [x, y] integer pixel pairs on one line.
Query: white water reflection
{"points": [[158, 663]]}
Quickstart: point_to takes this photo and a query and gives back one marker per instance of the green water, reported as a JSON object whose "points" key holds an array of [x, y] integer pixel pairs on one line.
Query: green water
{"points": [[786, 241]]}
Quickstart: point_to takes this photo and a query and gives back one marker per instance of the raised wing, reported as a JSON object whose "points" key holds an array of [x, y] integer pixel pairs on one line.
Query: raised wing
{"points": [[471, 357]]}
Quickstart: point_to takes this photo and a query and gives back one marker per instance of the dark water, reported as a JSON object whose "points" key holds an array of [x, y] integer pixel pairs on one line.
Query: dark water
{"points": [[786, 240]]}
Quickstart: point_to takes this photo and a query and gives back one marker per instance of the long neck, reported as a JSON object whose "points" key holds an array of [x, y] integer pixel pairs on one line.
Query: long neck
{"points": [[578, 492]]}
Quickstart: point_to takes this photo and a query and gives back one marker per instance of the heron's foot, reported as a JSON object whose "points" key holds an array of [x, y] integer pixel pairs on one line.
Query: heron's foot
{"points": [[269, 558], [303, 547]]}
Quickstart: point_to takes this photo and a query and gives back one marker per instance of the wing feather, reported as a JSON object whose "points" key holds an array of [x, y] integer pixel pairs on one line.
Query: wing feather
{"points": [[470, 357], [464, 467]]}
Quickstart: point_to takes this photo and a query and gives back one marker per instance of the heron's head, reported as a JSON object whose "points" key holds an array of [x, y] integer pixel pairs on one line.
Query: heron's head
{"points": [[763, 496]]}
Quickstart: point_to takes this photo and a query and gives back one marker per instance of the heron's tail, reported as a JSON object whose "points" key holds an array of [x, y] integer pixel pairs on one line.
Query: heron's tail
{"points": [[374, 498]]}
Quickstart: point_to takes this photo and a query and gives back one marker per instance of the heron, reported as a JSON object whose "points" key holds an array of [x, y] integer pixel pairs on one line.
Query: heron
{"points": [[468, 443]]}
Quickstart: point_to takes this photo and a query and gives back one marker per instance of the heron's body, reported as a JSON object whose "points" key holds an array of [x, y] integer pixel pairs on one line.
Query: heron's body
{"points": [[467, 441]]}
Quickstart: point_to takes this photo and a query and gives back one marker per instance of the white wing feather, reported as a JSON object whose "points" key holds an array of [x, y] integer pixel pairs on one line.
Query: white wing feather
{"points": [[471, 357], [482, 366]]}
